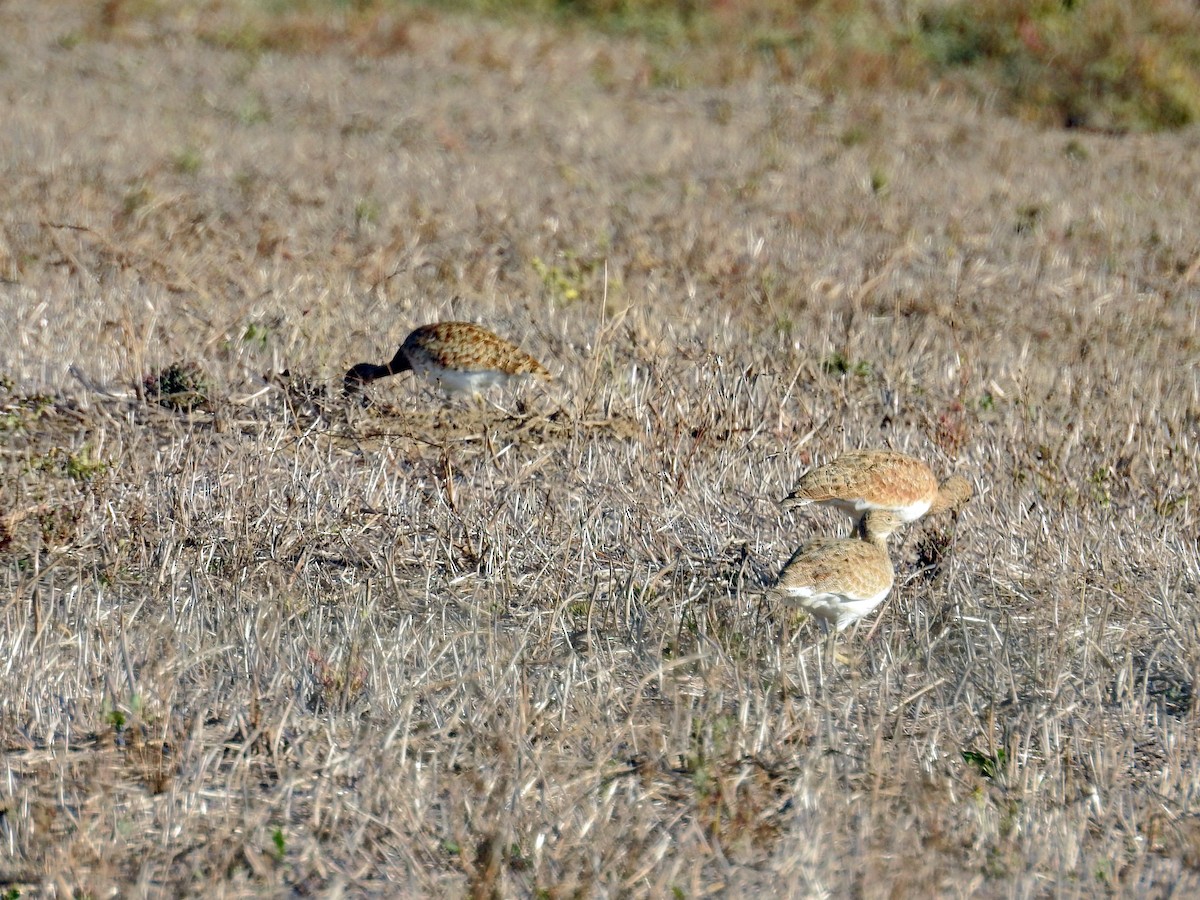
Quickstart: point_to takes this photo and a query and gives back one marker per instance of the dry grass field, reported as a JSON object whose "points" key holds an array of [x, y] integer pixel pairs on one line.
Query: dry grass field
{"points": [[258, 641]]}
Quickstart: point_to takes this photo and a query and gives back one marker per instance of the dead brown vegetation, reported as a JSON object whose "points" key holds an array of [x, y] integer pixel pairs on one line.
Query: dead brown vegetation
{"points": [[266, 642]]}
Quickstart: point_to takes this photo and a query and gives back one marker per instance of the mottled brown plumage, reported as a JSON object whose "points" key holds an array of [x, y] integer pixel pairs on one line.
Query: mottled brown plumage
{"points": [[461, 357], [840, 580], [862, 480]]}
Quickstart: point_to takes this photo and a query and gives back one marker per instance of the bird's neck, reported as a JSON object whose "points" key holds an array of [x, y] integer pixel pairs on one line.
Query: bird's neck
{"points": [[944, 500], [871, 537], [365, 373], [398, 364]]}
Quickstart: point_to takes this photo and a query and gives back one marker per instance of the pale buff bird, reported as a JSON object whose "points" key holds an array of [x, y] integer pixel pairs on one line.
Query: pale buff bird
{"points": [[458, 357], [862, 480], [840, 580]]}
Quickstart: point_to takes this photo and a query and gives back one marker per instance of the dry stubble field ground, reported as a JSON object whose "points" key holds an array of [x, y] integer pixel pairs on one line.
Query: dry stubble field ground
{"points": [[271, 643]]}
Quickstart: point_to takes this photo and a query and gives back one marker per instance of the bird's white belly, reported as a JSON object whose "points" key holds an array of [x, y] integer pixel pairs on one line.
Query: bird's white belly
{"points": [[859, 505], [837, 609], [460, 382]]}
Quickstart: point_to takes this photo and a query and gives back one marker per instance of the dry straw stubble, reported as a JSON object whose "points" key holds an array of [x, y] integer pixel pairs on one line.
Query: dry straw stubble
{"points": [[264, 644]]}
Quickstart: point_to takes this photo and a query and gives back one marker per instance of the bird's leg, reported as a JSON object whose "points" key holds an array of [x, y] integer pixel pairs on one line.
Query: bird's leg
{"points": [[824, 647], [830, 654], [844, 657]]}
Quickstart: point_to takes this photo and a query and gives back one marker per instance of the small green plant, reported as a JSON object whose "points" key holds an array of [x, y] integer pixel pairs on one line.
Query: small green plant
{"points": [[1099, 481], [279, 842], [253, 110], [187, 161], [179, 386], [1075, 151], [517, 860], [136, 198], [565, 283], [1171, 504], [555, 281], [366, 212], [78, 465], [768, 286], [854, 135], [879, 181], [70, 40], [256, 334], [247, 182], [1028, 218], [987, 765], [18, 415], [703, 779], [58, 525], [82, 466], [837, 363]]}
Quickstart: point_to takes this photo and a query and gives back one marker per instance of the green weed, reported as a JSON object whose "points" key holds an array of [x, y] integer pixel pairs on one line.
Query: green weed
{"points": [[985, 764]]}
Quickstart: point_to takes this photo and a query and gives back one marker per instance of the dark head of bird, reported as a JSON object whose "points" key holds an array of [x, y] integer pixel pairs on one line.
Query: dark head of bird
{"points": [[364, 373]]}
